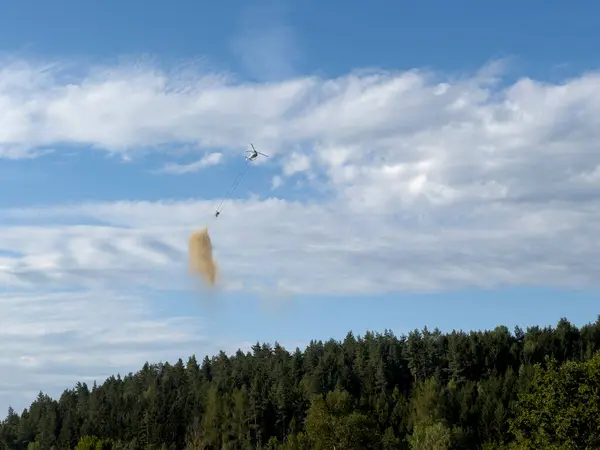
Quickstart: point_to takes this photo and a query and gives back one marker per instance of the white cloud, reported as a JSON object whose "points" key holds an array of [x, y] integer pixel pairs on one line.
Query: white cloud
{"points": [[426, 183], [212, 159], [50, 341], [295, 163], [276, 182], [307, 248]]}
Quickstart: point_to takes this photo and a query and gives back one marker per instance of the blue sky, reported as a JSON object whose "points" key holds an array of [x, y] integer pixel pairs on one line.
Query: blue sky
{"points": [[428, 165]]}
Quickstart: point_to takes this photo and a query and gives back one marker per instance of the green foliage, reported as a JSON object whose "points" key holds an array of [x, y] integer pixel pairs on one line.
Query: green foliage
{"points": [[94, 443], [89, 443], [493, 390], [332, 421], [430, 436], [561, 410]]}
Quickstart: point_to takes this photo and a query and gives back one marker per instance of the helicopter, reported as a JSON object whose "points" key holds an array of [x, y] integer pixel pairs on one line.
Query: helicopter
{"points": [[254, 154]]}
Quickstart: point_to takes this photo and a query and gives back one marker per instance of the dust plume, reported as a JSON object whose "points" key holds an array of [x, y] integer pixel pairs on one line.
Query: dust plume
{"points": [[201, 256]]}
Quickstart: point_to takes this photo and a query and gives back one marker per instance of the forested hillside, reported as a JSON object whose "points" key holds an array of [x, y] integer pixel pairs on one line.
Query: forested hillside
{"points": [[428, 390]]}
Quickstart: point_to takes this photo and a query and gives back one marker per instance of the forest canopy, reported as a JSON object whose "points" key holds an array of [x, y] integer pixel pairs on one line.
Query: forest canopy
{"points": [[428, 390]]}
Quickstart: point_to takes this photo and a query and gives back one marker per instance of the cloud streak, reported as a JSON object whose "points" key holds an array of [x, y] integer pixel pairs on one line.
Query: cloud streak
{"points": [[52, 340], [310, 248], [212, 159], [428, 183], [266, 44], [425, 182]]}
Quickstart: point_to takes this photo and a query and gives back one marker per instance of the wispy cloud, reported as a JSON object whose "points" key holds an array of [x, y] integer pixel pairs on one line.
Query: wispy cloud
{"points": [[295, 163], [268, 53], [430, 183], [459, 182], [276, 182], [50, 341], [266, 42], [318, 249], [212, 159]]}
